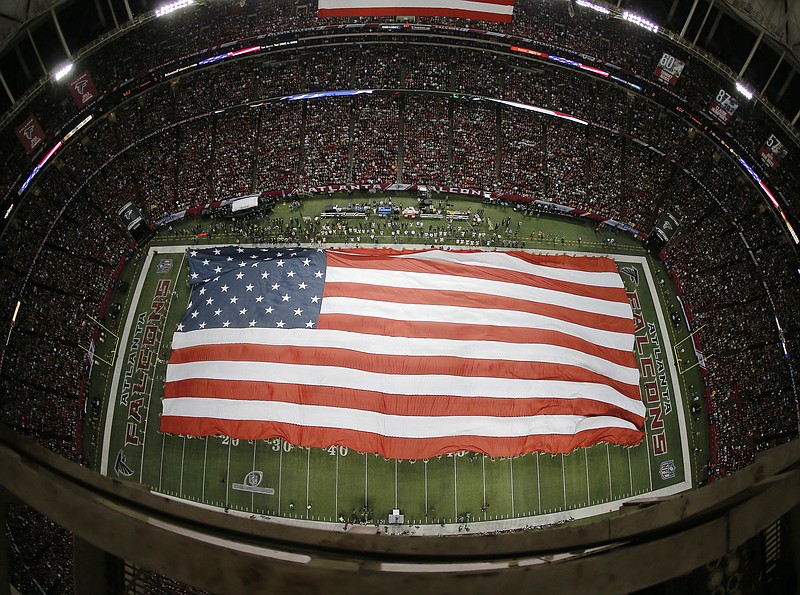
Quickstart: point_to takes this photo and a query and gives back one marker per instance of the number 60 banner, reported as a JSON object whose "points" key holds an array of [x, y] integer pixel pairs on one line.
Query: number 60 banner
{"points": [[669, 69]]}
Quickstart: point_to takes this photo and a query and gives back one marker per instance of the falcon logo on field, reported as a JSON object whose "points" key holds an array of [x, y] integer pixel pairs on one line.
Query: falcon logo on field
{"points": [[121, 465], [632, 273], [667, 469]]}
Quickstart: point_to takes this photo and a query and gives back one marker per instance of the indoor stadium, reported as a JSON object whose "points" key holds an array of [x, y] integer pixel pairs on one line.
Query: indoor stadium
{"points": [[445, 296]]}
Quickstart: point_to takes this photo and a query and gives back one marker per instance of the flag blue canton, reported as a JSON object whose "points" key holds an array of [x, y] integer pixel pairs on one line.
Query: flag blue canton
{"points": [[235, 287]]}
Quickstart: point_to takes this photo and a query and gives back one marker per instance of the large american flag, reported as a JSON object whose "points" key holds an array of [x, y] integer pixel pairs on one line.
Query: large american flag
{"points": [[484, 10], [409, 354]]}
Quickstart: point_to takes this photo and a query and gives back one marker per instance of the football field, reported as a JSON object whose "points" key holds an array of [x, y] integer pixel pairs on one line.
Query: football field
{"points": [[272, 478]]}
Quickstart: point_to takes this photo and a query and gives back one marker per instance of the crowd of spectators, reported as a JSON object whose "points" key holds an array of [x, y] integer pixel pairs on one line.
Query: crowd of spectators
{"points": [[375, 140], [165, 150], [43, 551], [474, 145], [279, 146], [233, 153], [425, 159], [326, 144]]}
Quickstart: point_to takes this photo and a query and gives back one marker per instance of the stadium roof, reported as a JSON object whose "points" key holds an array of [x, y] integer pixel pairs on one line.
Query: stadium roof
{"points": [[778, 20], [15, 14]]}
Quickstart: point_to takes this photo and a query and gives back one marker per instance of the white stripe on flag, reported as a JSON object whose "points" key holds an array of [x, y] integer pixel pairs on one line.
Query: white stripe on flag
{"points": [[397, 426], [435, 281], [419, 347], [475, 316], [394, 384], [501, 260]]}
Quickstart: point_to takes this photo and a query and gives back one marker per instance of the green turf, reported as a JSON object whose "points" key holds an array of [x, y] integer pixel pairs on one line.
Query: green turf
{"points": [[336, 481]]}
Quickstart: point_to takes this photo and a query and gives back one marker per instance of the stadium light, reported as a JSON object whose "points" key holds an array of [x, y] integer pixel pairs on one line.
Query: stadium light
{"points": [[172, 7], [593, 6], [744, 90], [642, 22], [62, 72]]}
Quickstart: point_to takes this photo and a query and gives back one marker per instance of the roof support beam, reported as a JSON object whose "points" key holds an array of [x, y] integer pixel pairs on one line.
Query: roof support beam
{"points": [[689, 18], [672, 10], [60, 34], [703, 24], [713, 30], [113, 14], [128, 9], [796, 117], [36, 50], [100, 16], [22, 64], [774, 70], [752, 53], [5, 86], [785, 86]]}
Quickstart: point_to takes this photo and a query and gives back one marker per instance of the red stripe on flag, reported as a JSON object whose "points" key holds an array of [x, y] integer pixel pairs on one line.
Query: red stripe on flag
{"points": [[484, 273], [400, 448], [391, 364], [477, 300], [594, 264], [365, 400], [470, 332]]}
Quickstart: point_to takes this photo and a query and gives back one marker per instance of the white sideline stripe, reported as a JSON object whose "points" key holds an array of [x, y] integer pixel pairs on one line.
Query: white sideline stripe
{"points": [[393, 426], [473, 316], [404, 346], [438, 281], [393, 384]]}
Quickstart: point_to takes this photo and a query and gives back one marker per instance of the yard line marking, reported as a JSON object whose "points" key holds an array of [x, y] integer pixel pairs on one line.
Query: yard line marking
{"points": [[253, 494], [610, 488], [455, 488], [564, 480], [483, 470], [228, 474], [366, 477], [425, 463], [630, 470], [395, 483], [511, 471], [161, 468], [308, 481], [336, 496], [538, 483], [183, 454], [586, 460], [280, 471], [205, 458]]}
